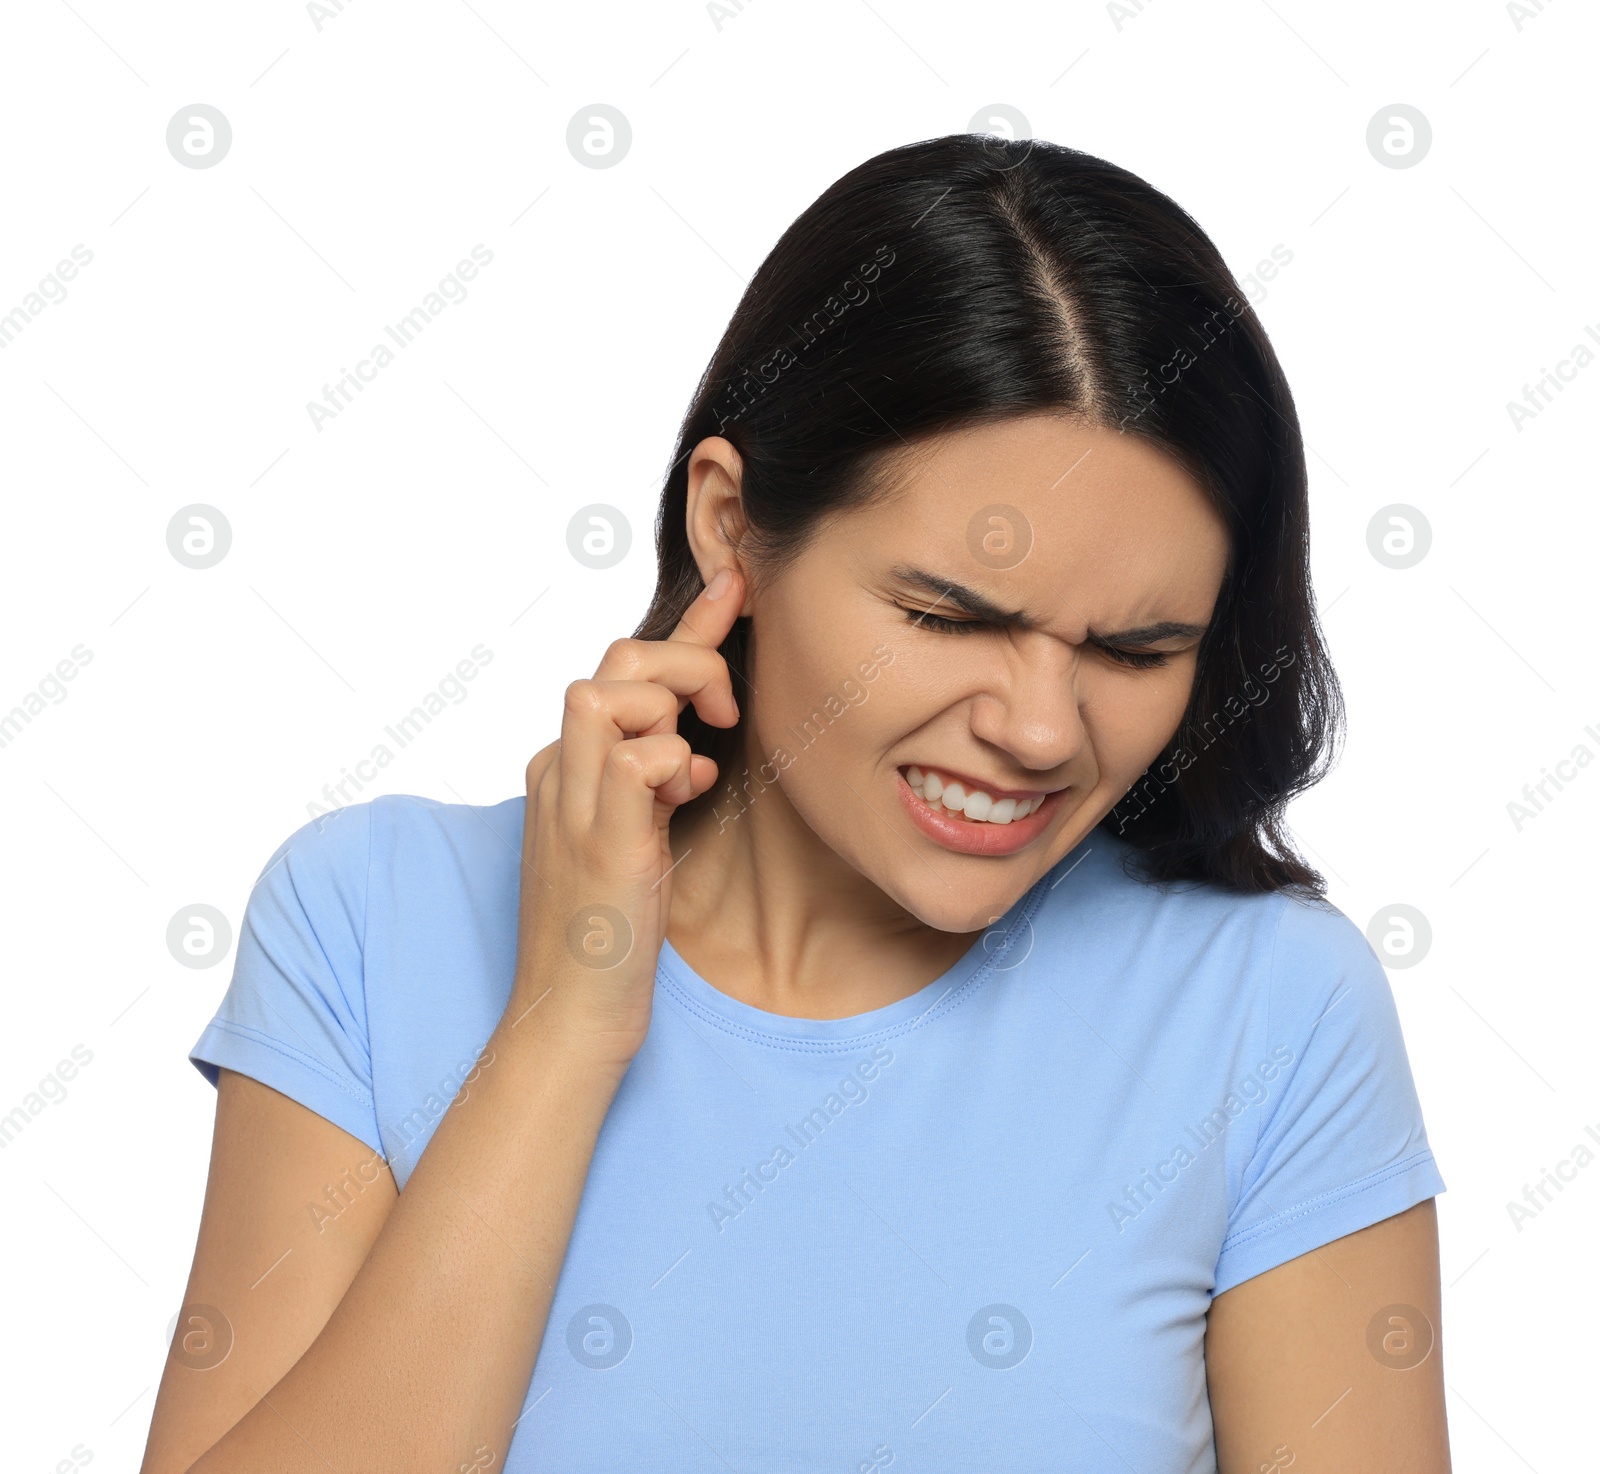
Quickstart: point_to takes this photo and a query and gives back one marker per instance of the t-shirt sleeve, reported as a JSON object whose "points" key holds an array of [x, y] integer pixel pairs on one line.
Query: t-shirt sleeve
{"points": [[294, 1016], [1341, 1143]]}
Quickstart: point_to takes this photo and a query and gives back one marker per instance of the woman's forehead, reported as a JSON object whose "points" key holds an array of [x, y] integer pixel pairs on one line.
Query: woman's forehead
{"points": [[1019, 509]]}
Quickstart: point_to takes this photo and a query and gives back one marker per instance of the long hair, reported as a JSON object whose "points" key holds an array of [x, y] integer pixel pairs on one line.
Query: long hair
{"points": [[964, 280]]}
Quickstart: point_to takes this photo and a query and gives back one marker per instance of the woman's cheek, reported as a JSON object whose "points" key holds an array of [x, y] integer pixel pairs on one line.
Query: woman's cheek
{"points": [[1138, 725]]}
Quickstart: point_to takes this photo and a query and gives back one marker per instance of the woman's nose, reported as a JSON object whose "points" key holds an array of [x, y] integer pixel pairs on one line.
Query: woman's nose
{"points": [[1032, 710]]}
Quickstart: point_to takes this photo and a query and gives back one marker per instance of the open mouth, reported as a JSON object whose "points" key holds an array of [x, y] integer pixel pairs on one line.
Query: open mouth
{"points": [[963, 800], [982, 825]]}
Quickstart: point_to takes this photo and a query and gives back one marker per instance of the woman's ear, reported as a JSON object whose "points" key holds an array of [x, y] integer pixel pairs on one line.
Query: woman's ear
{"points": [[716, 523]]}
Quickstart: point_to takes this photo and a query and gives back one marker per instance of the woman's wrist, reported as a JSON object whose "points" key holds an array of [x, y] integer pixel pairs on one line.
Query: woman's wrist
{"points": [[539, 1035]]}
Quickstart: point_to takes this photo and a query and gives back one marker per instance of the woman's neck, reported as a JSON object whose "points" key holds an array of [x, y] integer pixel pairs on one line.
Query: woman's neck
{"points": [[767, 913]]}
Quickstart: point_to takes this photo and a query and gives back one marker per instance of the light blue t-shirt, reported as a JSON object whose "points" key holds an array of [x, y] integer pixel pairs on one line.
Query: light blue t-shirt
{"points": [[977, 1229]]}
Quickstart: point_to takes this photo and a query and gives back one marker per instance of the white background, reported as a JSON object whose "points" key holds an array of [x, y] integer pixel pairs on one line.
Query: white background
{"points": [[369, 556]]}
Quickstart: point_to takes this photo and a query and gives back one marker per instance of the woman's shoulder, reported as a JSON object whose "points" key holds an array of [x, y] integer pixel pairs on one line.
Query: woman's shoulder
{"points": [[400, 834], [362, 919], [1294, 947], [1103, 876], [360, 883]]}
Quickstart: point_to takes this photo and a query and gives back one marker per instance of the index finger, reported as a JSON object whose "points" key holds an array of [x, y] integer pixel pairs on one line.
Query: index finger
{"points": [[709, 618], [680, 660]]}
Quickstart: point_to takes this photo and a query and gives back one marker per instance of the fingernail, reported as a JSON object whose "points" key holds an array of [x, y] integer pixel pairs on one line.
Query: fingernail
{"points": [[719, 584]]}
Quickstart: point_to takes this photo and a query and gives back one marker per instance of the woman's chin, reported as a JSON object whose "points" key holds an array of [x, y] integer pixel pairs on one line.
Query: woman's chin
{"points": [[947, 914]]}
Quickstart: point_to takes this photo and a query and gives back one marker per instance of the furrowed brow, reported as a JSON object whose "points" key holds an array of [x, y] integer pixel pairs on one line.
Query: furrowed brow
{"points": [[969, 601], [948, 592], [1151, 634]]}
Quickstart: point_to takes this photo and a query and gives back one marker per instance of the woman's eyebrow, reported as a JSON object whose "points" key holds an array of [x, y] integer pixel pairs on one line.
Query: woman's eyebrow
{"points": [[970, 601]]}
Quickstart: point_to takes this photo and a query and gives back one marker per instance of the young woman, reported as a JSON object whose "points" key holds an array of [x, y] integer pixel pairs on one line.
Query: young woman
{"points": [[892, 1027]]}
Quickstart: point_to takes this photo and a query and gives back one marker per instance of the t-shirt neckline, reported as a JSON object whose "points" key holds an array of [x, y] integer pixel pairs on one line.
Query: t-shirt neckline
{"points": [[1001, 945]]}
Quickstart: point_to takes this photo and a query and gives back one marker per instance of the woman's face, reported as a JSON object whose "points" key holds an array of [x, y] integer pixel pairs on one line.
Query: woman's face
{"points": [[1021, 618]]}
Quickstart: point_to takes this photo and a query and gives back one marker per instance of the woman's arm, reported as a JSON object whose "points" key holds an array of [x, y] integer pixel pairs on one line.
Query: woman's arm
{"points": [[401, 1331], [263, 1254], [405, 1338], [1318, 1364]]}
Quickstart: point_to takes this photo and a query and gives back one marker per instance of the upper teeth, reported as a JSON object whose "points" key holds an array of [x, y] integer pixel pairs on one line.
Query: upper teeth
{"points": [[933, 788]]}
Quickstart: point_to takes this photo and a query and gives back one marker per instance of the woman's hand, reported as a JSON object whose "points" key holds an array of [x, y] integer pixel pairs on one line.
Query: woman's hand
{"points": [[411, 1334], [596, 887]]}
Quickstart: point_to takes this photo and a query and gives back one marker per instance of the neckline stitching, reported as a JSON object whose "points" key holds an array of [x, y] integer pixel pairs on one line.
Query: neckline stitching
{"points": [[947, 1002]]}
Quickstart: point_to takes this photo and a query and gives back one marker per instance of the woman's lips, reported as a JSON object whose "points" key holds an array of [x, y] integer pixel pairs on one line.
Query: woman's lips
{"points": [[972, 837]]}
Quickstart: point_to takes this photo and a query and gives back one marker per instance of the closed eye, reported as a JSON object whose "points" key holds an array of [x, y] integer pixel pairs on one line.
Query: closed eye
{"points": [[926, 619], [930, 620], [1138, 659]]}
